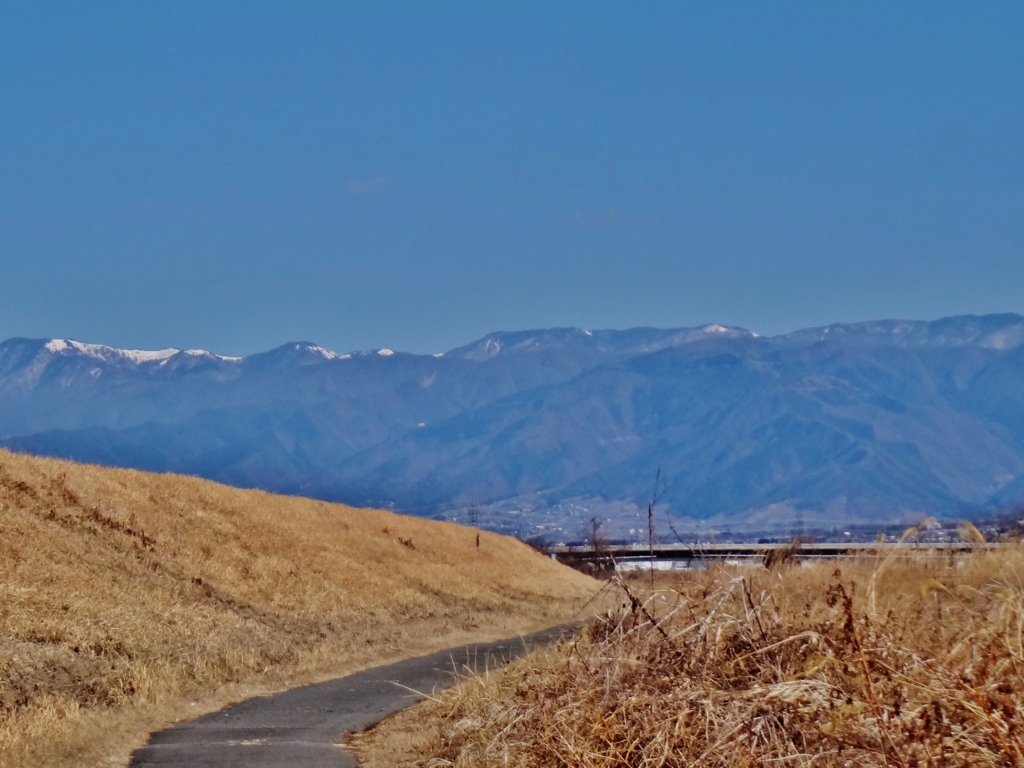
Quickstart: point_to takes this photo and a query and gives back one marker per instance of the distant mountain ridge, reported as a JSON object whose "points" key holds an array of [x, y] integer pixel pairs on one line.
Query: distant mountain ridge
{"points": [[878, 420]]}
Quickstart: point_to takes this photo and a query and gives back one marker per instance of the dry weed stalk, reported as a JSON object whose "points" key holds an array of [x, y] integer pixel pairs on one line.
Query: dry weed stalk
{"points": [[729, 668]]}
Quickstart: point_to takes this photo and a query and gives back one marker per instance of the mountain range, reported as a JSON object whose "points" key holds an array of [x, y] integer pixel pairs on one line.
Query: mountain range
{"points": [[534, 430]]}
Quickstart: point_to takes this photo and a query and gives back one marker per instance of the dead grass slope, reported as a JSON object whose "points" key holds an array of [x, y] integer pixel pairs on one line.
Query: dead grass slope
{"points": [[130, 599], [915, 662]]}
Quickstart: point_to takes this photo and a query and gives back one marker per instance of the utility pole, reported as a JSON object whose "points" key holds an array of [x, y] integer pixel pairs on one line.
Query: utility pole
{"points": [[650, 538], [650, 525], [474, 521]]}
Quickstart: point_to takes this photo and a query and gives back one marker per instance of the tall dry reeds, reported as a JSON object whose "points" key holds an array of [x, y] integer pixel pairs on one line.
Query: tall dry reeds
{"points": [[911, 661]]}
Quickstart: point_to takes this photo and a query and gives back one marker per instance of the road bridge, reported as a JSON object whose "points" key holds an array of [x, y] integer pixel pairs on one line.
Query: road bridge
{"points": [[695, 555]]}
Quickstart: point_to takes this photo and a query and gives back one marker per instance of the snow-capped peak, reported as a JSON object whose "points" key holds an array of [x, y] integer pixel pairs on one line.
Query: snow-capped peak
{"points": [[714, 328], [211, 355], [322, 351], [109, 354], [385, 352], [115, 355]]}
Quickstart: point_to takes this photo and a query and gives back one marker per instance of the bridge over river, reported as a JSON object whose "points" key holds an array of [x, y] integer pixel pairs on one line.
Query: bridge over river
{"points": [[683, 556]]}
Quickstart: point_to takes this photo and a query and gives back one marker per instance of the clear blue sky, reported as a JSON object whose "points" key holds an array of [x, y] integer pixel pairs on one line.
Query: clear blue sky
{"points": [[413, 175]]}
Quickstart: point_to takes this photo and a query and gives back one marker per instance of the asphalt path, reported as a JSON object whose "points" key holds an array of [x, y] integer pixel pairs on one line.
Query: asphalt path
{"points": [[301, 728]]}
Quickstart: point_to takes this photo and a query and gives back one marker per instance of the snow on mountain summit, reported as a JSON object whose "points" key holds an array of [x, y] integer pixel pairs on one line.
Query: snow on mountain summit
{"points": [[108, 354], [70, 347], [729, 331], [325, 353], [211, 355]]}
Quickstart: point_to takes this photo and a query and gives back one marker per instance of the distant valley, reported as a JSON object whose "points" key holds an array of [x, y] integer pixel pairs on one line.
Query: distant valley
{"points": [[533, 432]]}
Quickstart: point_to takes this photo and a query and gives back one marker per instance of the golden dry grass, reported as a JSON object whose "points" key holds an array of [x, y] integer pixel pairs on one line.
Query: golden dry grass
{"points": [[129, 600], [907, 662]]}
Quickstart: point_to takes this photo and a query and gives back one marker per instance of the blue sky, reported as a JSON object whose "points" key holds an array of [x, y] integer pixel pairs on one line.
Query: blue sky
{"points": [[413, 175]]}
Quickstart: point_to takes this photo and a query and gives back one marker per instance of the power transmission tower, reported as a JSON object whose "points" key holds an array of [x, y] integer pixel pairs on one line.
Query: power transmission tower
{"points": [[799, 524]]}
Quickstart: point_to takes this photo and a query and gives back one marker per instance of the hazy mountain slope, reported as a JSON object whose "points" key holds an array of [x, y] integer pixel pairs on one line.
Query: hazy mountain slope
{"points": [[366, 397], [298, 404], [851, 421], [734, 427]]}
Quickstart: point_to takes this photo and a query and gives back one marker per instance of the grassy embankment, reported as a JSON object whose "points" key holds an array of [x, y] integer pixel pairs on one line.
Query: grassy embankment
{"points": [[129, 600], [907, 662]]}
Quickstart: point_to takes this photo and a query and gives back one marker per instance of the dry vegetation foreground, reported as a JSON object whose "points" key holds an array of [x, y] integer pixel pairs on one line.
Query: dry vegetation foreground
{"points": [[908, 662], [129, 600]]}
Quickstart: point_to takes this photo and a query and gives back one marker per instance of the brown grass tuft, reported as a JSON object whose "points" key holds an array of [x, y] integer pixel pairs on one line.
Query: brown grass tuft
{"points": [[129, 600], [913, 661]]}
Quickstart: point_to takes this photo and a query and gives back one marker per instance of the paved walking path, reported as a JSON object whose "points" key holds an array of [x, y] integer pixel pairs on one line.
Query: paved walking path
{"points": [[300, 728]]}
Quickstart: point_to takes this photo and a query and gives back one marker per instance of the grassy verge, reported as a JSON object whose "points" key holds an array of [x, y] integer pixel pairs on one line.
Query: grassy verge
{"points": [[909, 662], [129, 600]]}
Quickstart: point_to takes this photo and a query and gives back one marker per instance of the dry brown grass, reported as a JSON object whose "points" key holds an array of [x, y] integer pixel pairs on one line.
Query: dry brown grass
{"points": [[128, 600], [907, 662]]}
